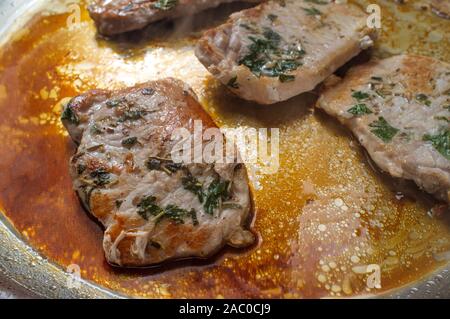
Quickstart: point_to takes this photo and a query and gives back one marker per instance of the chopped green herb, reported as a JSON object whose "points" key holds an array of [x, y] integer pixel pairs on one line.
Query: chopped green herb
{"points": [[148, 91], [382, 93], [312, 11], [118, 203], [441, 142], [192, 184], [422, 98], [165, 4], [442, 118], [382, 129], [147, 207], [359, 109], [272, 36], [272, 17], [69, 115], [153, 164], [100, 177], [129, 142], [95, 129], [173, 167], [266, 58], [215, 194], [81, 168], [162, 164], [286, 78], [131, 115], [193, 215], [320, 2], [88, 190], [231, 206], [98, 147], [246, 26], [360, 96], [406, 136], [233, 83], [175, 213], [114, 103]]}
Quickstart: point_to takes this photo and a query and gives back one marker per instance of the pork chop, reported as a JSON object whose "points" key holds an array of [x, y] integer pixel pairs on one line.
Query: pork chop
{"points": [[118, 16], [441, 8], [280, 49], [399, 109], [152, 207]]}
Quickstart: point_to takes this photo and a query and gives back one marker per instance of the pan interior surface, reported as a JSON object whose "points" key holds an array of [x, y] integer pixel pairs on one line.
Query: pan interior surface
{"points": [[329, 223]]}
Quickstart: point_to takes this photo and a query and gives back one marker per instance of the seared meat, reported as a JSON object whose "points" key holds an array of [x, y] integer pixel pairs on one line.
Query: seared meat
{"points": [[153, 208], [280, 49], [399, 109], [119, 16], [441, 8]]}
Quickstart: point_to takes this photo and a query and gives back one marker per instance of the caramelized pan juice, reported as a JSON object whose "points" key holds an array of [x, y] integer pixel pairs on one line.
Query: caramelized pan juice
{"points": [[322, 219]]}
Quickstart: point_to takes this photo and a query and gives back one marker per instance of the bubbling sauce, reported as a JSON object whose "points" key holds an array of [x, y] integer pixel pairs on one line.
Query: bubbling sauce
{"points": [[328, 222]]}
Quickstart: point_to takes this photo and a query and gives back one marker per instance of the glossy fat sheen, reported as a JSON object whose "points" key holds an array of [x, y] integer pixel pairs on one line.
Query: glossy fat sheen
{"points": [[119, 16], [329, 39], [129, 239], [408, 157]]}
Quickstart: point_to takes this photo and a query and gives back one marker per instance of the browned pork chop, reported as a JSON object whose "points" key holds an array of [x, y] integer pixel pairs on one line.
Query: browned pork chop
{"points": [[441, 8], [280, 49], [119, 16], [153, 208], [399, 109]]}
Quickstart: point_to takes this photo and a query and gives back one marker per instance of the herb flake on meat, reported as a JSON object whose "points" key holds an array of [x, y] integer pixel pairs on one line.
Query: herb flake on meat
{"points": [[442, 118], [423, 98], [233, 83], [312, 11], [319, 2], [382, 129], [360, 96], [81, 168], [270, 56], [147, 208], [176, 214], [69, 115], [114, 103], [95, 129], [129, 142], [272, 17], [148, 91], [286, 78], [193, 185], [131, 115], [163, 164], [165, 4], [216, 193], [359, 109], [441, 142], [100, 177]]}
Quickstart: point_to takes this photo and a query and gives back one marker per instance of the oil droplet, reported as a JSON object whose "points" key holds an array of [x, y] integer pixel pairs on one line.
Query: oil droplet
{"points": [[355, 259]]}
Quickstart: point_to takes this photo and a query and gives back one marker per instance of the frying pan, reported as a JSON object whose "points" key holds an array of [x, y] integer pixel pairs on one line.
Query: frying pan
{"points": [[28, 266]]}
